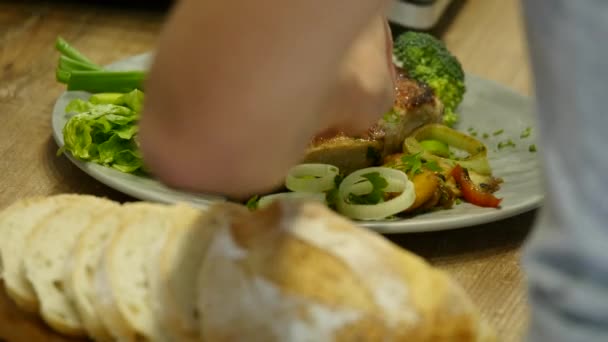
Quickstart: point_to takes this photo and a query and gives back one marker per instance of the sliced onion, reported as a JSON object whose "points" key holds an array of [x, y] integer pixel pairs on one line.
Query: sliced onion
{"points": [[311, 178], [354, 183], [478, 153], [267, 200]]}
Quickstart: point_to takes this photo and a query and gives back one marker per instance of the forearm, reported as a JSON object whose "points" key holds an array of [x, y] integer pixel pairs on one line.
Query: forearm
{"points": [[237, 84]]}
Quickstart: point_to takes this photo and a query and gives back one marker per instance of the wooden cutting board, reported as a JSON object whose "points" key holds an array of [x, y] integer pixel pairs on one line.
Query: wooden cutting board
{"points": [[17, 326]]}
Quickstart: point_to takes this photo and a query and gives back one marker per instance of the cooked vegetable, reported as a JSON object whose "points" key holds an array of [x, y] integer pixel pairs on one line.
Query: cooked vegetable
{"points": [[105, 133], [426, 185], [436, 147], [311, 178], [367, 184], [79, 73], [472, 193], [477, 159], [428, 60]]}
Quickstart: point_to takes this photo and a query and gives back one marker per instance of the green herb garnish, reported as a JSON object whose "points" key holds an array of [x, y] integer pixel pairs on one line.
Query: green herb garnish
{"points": [[412, 163], [499, 132], [526, 133], [508, 143], [376, 196], [252, 203], [433, 166], [485, 135], [391, 117], [532, 148]]}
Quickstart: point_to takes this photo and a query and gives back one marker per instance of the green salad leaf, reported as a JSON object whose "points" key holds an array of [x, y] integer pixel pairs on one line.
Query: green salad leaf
{"points": [[104, 129]]}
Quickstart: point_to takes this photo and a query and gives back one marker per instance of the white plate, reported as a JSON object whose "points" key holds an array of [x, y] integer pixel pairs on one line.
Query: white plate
{"points": [[487, 107]]}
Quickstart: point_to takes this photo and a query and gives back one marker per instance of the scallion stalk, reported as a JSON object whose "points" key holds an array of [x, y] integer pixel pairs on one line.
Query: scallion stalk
{"points": [[106, 81]]}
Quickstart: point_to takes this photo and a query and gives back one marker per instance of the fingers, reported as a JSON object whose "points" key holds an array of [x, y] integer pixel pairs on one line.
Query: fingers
{"points": [[365, 85]]}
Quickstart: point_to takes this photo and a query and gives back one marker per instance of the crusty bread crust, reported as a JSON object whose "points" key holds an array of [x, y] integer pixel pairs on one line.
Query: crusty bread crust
{"points": [[299, 272]]}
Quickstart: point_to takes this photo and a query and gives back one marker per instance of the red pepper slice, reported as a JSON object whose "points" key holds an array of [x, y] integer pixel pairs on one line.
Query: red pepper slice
{"points": [[471, 192]]}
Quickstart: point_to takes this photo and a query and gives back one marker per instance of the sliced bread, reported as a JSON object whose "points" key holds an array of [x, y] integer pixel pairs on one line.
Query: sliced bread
{"points": [[79, 276], [122, 283], [173, 274], [47, 251], [16, 223]]}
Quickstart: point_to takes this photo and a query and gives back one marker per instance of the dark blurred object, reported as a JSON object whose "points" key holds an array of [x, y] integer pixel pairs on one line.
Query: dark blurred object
{"points": [[437, 29], [421, 15]]}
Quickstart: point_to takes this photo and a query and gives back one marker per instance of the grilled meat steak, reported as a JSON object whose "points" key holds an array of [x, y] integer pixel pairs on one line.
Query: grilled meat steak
{"points": [[415, 105]]}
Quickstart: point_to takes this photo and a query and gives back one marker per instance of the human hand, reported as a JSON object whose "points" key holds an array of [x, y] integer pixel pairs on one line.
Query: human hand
{"points": [[365, 86]]}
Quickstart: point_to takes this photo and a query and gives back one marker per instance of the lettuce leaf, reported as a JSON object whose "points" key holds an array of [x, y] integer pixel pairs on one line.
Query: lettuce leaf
{"points": [[104, 131]]}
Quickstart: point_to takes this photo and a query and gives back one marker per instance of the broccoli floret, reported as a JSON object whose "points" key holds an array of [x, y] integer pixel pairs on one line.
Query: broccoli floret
{"points": [[426, 59]]}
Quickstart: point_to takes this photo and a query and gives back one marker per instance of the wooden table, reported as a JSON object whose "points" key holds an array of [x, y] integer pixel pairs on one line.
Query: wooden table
{"points": [[485, 35]]}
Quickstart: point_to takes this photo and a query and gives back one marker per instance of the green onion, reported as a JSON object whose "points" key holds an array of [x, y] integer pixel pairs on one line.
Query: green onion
{"points": [[79, 73], [67, 50], [106, 81], [69, 64], [62, 76]]}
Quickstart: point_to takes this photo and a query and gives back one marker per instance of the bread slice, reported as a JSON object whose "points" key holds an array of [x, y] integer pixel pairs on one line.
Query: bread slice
{"points": [[17, 221], [122, 283], [173, 273], [47, 251], [79, 276]]}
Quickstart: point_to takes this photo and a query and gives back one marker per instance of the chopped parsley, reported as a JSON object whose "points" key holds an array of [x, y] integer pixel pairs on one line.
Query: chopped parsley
{"points": [[376, 196], [433, 166], [508, 143], [532, 148], [485, 135], [526, 133], [252, 203], [391, 117], [499, 132], [412, 163]]}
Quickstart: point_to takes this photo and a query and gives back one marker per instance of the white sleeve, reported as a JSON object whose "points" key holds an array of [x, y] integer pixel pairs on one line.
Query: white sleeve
{"points": [[566, 259]]}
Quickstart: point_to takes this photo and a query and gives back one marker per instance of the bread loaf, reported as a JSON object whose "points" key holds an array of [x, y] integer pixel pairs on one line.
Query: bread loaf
{"points": [[298, 272], [293, 271]]}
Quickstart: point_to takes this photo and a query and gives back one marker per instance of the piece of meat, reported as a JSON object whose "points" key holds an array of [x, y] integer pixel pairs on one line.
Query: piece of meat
{"points": [[415, 105]]}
